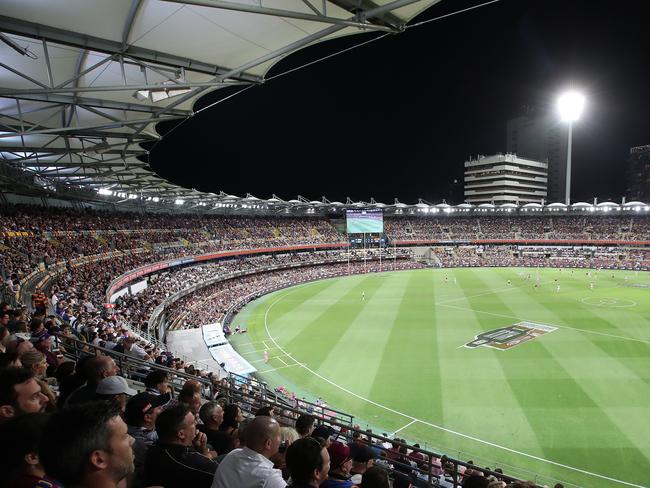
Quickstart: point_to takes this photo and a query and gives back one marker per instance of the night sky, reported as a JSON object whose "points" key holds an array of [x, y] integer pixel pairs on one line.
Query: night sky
{"points": [[397, 118]]}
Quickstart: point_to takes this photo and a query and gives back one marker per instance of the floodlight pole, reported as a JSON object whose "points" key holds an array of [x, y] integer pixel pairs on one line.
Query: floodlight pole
{"points": [[568, 165]]}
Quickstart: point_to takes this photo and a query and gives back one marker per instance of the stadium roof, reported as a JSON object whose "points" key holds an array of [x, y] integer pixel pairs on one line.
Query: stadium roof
{"points": [[83, 83]]}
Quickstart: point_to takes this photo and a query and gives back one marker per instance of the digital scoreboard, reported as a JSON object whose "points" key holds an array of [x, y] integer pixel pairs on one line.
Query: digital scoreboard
{"points": [[364, 221]]}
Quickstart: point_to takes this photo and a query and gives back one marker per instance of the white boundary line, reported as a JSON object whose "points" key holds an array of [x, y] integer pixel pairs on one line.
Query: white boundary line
{"points": [[281, 360], [444, 429], [402, 428], [298, 364]]}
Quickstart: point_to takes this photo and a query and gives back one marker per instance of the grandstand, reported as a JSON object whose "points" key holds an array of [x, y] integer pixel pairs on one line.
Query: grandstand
{"points": [[110, 272]]}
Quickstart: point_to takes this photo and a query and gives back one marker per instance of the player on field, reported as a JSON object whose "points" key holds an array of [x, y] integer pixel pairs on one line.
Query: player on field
{"points": [[363, 296], [266, 356]]}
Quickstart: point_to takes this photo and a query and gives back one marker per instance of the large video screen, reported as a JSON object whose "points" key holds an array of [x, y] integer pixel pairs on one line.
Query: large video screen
{"points": [[364, 221]]}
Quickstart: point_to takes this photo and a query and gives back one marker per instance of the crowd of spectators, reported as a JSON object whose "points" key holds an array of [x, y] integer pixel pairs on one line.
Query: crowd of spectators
{"points": [[565, 257], [565, 227], [32, 236], [209, 304]]}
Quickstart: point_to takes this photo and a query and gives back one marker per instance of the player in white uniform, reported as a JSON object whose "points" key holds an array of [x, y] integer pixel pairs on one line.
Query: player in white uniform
{"points": [[363, 296]]}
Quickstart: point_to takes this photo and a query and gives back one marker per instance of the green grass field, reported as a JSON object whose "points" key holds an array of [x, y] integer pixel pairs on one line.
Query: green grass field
{"points": [[571, 405]]}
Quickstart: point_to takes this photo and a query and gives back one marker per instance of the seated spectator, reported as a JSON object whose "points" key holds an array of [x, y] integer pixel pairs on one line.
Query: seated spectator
{"points": [[250, 466], [340, 464], [157, 382], [193, 385], [95, 369], [18, 345], [180, 457], [305, 425], [375, 477], [308, 463], [476, 481], [288, 436], [141, 413], [362, 460], [446, 479], [20, 394], [44, 344], [10, 360], [115, 388], [37, 329], [87, 446], [267, 410], [324, 432], [19, 462], [35, 361], [130, 348], [358, 442], [232, 416], [192, 399], [211, 415], [140, 416]]}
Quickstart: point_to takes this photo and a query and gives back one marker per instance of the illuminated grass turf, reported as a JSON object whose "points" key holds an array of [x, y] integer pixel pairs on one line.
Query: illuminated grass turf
{"points": [[578, 396]]}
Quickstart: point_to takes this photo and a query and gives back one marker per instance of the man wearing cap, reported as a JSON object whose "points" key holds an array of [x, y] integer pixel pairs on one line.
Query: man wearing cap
{"points": [[140, 416], [115, 388], [340, 465]]}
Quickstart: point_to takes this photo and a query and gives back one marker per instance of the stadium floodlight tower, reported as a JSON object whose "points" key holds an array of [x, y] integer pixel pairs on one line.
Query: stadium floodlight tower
{"points": [[570, 105]]}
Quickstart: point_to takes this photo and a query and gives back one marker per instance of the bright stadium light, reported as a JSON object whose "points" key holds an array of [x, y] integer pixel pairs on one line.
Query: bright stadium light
{"points": [[570, 105]]}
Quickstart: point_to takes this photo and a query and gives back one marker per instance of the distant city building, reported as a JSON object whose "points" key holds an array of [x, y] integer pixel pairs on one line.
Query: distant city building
{"points": [[541, 138], [638, 174], [505, 178]]}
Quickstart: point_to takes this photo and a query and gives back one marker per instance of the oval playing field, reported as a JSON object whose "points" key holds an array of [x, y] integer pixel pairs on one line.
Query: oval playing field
{"points": [[563, 394]]}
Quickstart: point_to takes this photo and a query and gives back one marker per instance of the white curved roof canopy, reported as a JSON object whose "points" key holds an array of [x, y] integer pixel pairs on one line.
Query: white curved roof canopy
{"points": [[84, 82]]}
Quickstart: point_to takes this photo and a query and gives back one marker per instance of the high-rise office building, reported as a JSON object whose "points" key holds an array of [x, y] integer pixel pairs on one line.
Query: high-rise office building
{"points": [[637, 174], [505, 178], [541, 138]]}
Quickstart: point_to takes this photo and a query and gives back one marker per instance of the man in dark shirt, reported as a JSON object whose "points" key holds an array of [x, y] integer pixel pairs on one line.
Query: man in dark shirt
{"points": [[180, 457], [211, 415], [96, 369], [308, 463]]}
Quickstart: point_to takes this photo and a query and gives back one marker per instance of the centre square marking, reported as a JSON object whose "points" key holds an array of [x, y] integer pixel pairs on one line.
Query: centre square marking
{"points": [[508, 337]]}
